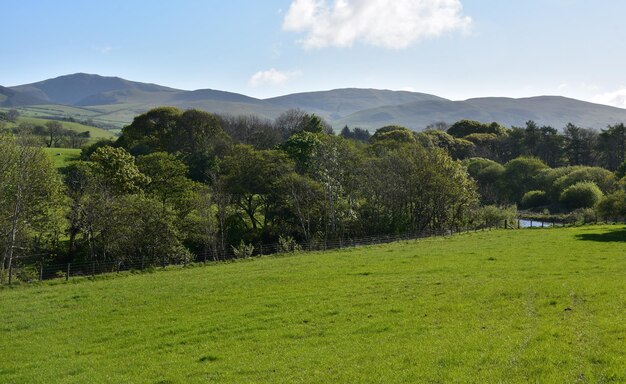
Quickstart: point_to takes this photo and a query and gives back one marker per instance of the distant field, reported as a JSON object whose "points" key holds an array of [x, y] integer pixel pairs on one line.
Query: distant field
{"points": [[62, 156], [109, 115], [96, 133], [541, 306]]}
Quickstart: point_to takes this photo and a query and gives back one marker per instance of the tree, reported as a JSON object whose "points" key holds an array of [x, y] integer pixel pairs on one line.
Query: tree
{"points": [[520, 176], [584, 194], [579, 145], [116, 171], [463, 128], [612, 146], [13, 115], [295, 120], [487, 174], [252, 130], [393, 133], [151, 131], [55, 133], [251, 176], [168, 183], [30, 190]]}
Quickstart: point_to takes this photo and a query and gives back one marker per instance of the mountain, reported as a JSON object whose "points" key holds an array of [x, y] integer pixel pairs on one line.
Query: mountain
{"points": [[555, 111], [338, 103], [115, 101]]}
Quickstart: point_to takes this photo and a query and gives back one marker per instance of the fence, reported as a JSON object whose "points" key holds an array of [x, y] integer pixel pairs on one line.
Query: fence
{"points": [[38, 271]]}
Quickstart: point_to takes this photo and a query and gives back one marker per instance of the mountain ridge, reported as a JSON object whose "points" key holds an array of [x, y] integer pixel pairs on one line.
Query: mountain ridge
{"points": [[367, 108]]}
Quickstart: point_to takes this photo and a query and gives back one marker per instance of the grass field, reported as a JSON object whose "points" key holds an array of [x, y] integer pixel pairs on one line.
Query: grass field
{"points": [[61, 157], [545, 306]]}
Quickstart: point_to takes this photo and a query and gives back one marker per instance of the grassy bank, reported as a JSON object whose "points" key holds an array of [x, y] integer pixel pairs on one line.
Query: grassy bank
{"points": [[503, 306]]}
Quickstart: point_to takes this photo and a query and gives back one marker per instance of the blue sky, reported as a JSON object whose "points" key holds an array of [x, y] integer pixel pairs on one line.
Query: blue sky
{"points": [[453, 48]]}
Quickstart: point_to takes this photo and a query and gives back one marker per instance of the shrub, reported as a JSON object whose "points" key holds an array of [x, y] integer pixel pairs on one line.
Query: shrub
{"points": [[243, 250], [288, 244], [492, 215], [583, 194], [534, 199]]}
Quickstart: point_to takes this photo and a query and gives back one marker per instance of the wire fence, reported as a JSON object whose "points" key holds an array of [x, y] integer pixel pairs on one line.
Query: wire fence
{"points": [[32, 269]]}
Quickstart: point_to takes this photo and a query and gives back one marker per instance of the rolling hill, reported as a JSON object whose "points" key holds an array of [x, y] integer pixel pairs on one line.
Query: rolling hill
{"points": [[115, 101]]}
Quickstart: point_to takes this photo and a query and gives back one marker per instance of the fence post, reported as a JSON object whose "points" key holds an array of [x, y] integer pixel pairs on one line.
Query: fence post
{"points": [[93, 269], [40, 271], [10, 273], [67, 275]]}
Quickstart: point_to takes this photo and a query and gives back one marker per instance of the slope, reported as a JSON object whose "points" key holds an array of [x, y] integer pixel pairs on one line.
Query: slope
{"points": [[503, 306], [555, 111]]}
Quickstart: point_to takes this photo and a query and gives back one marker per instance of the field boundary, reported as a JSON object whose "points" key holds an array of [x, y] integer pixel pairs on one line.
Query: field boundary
{"points": [[32, 269]]}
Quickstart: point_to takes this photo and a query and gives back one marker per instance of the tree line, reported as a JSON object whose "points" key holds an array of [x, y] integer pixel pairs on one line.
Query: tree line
{"points": [[178, 183]]}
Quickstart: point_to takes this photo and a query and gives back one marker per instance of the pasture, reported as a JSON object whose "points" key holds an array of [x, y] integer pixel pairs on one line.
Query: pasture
{"points": [[511, 306]]}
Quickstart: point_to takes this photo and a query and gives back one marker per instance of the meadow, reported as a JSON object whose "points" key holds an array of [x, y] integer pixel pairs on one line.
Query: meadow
{"points": [[516, 306], [62, 157]]}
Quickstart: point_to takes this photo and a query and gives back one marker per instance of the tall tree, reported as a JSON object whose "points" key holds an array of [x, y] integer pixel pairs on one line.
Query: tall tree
{"points": [[30, 189]]}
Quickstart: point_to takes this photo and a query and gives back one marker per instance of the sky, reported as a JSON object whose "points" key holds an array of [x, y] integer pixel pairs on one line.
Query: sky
{"points": [[456, 49]]}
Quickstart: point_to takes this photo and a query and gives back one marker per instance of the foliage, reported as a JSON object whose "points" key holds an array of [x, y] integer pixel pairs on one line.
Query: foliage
{"points": [[495, 216], [243, 250], [464, 128], [520, 176], [613, 205], [584, 194], [288, 245], [534, 199], [30, 199]]}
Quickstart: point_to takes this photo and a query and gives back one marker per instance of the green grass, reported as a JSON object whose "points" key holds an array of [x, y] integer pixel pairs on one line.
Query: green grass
{"points": [[95, 133], [545, 306], [61, 157]]}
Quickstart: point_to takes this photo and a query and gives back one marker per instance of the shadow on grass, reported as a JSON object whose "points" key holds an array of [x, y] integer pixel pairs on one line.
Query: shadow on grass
{"points": [[612, 236]]}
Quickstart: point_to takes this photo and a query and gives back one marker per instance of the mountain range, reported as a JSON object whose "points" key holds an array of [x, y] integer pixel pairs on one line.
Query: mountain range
{"points": [[115, 101]]}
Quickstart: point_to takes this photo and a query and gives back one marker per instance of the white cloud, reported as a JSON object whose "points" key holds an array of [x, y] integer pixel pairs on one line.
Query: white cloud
{"points": [[616, 98], [272, 77], [390, 24], [106, 49]]}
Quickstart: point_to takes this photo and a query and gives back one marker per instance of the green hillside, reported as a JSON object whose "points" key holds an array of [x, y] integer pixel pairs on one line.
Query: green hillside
{"points": [[505, 306], [61, 157], [95, 133]]}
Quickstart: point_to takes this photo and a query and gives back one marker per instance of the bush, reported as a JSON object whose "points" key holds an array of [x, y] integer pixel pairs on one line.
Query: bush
{"points": [[492, 215], [583, 194], [534, 199], [613, 205], [243, 251], [584, 215], [288, 245]]}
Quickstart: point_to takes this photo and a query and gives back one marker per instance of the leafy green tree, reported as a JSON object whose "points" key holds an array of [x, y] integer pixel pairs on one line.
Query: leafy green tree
{"points": [[30, 190], [520, 176], [487, 174], [117, 171], [534, 199], [463, 128], [152, 131], [168, 183], [603, 178], [143, 231], [393, 133], [584, 194], [580, 145], [613, 205], [250, 176], [300, 147], [612, 146], [457, 148], [413, 188]]}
